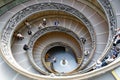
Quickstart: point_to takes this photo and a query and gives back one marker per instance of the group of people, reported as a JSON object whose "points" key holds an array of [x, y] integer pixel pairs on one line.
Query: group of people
{"points": [[114, 52], [43, 24], [28, 26], [110, 58], [83, 40], [19, 36]]}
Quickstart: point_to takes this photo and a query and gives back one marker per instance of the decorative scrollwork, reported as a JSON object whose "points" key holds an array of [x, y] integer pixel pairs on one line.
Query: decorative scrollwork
{"points": [[111, 16], [21, 15]]}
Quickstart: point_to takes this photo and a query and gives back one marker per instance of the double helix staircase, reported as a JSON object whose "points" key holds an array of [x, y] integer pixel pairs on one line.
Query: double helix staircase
{"points": [[99, 25]]}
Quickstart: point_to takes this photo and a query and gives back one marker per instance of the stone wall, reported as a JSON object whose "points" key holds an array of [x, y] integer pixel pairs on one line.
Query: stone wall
{"points": [[6, 5]]}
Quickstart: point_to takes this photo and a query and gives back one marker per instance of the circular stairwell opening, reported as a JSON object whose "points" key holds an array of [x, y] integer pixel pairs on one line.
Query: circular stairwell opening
{"points": [[63, 59]]}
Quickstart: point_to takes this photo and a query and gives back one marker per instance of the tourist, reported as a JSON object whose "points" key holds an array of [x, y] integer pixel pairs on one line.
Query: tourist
{"points": [[29, 32], [40, 26], [20, 36], [27, 25], [108, 60], [83, 40], [117, 31], [56, 23], [25, 47], [44, 22], [86, 52], [115, 51], [116, 40], [63, 61], [105, 62], [97, 64]]}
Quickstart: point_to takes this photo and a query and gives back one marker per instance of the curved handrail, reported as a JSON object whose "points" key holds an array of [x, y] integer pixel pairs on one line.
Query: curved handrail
{"points": [[82, 76], [105, 4], [93, 47], [35, 65], [94, 42], [15, 20], [112, 25], [91, 67], [25, 72], [43, 31], [112, 19]]}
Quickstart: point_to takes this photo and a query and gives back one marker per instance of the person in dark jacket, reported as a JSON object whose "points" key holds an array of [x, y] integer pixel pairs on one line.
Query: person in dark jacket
{"points": [[25, 47], [29, 32], [83, 40]]}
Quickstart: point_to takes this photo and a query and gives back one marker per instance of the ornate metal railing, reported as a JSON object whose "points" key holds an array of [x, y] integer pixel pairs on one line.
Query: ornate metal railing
{"points": [[23, 14], [111, 21]]}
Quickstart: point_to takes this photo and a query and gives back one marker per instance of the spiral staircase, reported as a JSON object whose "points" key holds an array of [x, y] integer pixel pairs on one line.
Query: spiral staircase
{"points": [[93, 20]]}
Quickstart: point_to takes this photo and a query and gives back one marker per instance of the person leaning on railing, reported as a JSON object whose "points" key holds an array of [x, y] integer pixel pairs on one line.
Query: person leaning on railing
{"points": [[108, 60], [97, 65], [117, 31], [115, 51], [116, 38], [105, 62]]}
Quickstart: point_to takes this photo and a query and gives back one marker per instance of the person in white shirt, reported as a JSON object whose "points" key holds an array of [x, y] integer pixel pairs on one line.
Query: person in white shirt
{"points": [[27, 24], [108, 60], [117, 31], [97, 64], [86, 52], [116, 40], [40, 26], [20, 36]]}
